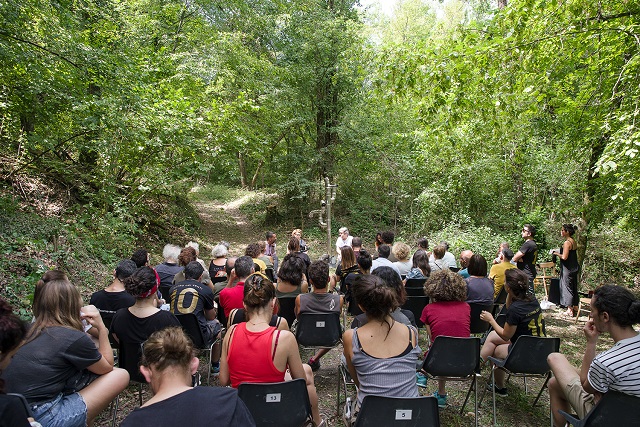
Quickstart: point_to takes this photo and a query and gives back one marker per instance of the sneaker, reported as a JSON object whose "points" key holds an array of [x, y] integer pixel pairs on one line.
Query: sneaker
{"points": [[315, 364], [499, 391], [421, 379], [215, 368], [442, 400]]}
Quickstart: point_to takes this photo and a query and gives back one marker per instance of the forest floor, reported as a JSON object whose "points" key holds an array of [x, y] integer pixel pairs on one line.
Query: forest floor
{"points": [[222, 219]]}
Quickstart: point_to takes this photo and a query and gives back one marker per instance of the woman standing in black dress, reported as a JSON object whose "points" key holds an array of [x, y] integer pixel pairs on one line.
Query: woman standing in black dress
{"points": [[569, 269]]}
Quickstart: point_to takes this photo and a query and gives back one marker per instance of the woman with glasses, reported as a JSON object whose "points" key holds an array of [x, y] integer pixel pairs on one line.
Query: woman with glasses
{"points": [[271, 351]]}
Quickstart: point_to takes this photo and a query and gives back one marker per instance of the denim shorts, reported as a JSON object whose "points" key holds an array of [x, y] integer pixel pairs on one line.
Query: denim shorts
{"points": [[64, 411]]}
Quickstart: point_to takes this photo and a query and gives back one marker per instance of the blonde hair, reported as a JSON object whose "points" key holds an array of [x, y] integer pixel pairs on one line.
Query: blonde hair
{"points": [[168, 347], [401, 251], [58, 304]]}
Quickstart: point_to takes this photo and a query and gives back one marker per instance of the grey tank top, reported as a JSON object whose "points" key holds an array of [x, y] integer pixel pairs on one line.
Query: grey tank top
{"points": [[394, 376], [319, 303]]}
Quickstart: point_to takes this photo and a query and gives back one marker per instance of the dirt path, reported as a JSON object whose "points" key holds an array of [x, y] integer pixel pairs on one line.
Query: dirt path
{"points": [[225, 221]]}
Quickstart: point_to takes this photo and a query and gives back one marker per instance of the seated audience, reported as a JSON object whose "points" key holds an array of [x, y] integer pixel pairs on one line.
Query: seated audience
{"points": [[216, 266], [387, 239], [391, 279], [297, 233], [12, 331], [448, 258], [319, 301], [271, 351], [381, 355], [253, 250], [114, 297], [436, 263], [383, 259], [168, 362], [263, 257], [292, 280], [614, 310], [293, 248], [420, 268], [402, 252], [423, 244], [196, 247], [523, 317], [479, 287], [140, 257], [186, 256], [503, 246], [364, 261], [66, 380], [191, 296], [169, 268], [347, 266], [231, 297], [447, 314], [356, 245], [239, 315], [133, 325], [465, 256], [498, 270]]}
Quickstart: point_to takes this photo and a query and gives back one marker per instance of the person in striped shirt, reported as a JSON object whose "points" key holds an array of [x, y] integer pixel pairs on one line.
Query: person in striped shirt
{"points": [[614, 309]]}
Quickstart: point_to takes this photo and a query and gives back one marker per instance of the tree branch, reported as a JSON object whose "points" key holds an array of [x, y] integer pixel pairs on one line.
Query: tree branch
{"points": [[4, 33]]}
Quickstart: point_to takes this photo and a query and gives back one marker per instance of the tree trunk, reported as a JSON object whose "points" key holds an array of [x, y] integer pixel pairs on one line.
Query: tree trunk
{"points": [[243, 170]]}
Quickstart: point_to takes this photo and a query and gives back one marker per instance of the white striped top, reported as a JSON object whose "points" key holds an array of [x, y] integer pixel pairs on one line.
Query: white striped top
{"points": [[617, 368]]}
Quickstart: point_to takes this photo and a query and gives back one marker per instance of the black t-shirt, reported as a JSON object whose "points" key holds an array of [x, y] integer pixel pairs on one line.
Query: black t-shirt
{"points": [[528, 260], [192, 296], [197, 407], [527, 315], [12, 412], [41, 368], [110, 302], [134, 330]]}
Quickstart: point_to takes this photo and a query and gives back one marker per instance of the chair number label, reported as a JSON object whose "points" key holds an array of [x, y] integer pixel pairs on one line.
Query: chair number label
{"points": [[320, 324], [273, 397], [403, 414]]}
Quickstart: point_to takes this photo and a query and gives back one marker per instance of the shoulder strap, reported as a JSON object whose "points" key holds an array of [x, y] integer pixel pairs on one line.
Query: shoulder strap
{"points": [[275, 346]]}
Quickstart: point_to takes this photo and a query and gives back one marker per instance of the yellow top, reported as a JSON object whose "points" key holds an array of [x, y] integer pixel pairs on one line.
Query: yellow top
{"points": [[497, 275]]}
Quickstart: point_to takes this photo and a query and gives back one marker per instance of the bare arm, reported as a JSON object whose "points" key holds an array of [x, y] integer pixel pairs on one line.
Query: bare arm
{"points": [[347, 340], [91, 314], [505, 333], [296, 310], [225, 378], [591, 333], [517, 257], [566, 247]]}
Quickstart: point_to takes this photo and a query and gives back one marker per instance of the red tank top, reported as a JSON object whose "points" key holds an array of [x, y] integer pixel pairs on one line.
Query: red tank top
{"points": [[250, 358]]}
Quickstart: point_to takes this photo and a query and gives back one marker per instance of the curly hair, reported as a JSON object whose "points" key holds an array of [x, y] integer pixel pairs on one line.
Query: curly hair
{"points": [[292, 269], [445, 285], [187, 255], [168, 347], [141, 281], [319, 274], [258, 292], [401, 251], [252, 250], [570, 229]]}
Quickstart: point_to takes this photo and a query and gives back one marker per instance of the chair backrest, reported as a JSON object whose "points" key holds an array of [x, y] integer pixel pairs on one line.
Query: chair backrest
{"points": [[318, 329], [500, 300], [284, 404], [416, 305], [398, 411], [529, 354], [453, 357], [107, 317], [415, 287], [270, 274], [191, 327], [256, 267], [287, 309], [615, 407], [129, 359], [477, 325]]}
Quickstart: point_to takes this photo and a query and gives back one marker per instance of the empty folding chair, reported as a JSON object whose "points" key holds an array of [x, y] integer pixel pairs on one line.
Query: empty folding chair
{"points": [[477, 325]]}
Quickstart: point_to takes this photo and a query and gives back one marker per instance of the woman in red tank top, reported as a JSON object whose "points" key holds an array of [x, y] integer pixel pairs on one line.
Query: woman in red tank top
{"points": [[271, 351]]}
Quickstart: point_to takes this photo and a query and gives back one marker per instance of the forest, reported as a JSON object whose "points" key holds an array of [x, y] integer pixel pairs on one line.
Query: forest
{"points": [[456, 120]]}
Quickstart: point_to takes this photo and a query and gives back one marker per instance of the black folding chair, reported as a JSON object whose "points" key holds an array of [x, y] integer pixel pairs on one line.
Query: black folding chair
{"points": [[415, 287], [191, 327], [455, 359], [499, 301], [344, 382], [614, 407], [416, 305], [477, 325], [379, 411], [284, 404], [270, 274], [527, 358], [287, 309], [319, 330], [129, 359]]}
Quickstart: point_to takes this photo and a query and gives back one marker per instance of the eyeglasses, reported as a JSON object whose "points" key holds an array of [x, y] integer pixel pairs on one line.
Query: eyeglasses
{"points": [[524, 230]]}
